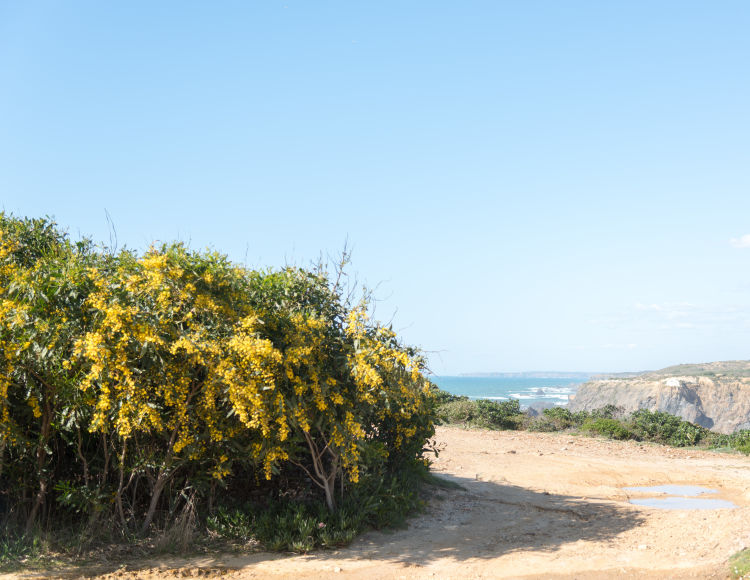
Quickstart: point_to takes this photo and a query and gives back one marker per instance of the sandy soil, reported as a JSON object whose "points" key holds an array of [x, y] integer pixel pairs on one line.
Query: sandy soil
{"points": [[533, 505]]}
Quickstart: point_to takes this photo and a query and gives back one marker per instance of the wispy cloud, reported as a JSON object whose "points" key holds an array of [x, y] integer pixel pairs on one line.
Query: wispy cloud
{"points": [[741, 242], [607, 346], [684, 315], [641, 306], [669, 310], [675, 316]]}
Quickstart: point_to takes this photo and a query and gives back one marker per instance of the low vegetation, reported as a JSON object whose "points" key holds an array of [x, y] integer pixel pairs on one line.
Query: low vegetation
{"points": [[481, 413], [609, 421], [739, 565]]}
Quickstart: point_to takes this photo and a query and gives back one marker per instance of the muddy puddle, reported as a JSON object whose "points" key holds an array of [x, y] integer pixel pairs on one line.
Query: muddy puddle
{"points": [[678, 497]]}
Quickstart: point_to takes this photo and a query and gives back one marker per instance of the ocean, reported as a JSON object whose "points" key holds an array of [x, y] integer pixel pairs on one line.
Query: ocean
{"points": [[527, 390]]}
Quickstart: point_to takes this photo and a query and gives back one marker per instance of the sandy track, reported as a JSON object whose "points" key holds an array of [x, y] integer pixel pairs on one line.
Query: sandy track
{"points": [[533, 506]]}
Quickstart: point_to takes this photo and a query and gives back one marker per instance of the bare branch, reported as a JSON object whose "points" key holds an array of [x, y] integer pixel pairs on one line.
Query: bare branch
{"points": [[310, 475], [112, 233]]}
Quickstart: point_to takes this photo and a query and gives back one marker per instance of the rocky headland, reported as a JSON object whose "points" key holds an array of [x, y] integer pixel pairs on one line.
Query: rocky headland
{"points": [[714, 395]]}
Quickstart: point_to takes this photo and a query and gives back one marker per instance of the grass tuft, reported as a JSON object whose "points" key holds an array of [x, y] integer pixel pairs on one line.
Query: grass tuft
{"points": [[739, 565]]}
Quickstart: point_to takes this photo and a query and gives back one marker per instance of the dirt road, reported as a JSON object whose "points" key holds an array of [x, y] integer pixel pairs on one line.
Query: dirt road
{"points": [[534, 505]]}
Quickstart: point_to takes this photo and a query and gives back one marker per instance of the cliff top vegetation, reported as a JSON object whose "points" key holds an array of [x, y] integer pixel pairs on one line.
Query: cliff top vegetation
{"points": [[729, 369]]}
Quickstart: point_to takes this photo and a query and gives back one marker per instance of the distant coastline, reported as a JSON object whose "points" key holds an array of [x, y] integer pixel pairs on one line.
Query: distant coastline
{"points": [[534, 375]]}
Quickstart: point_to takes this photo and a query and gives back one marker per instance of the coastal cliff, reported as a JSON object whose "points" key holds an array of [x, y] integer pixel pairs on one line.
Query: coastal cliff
{"points": [[713, 395]]}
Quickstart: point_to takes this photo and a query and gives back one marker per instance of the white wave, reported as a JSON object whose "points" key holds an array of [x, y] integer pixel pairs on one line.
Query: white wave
{"points": [[552, 390]]}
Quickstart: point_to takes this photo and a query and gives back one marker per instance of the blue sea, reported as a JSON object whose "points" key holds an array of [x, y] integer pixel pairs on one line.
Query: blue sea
{"points": [[528, 391]]}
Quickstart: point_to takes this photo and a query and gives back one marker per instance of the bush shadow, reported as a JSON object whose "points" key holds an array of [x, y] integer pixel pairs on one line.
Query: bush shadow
{"points": [[486, 520], [478, 520]]}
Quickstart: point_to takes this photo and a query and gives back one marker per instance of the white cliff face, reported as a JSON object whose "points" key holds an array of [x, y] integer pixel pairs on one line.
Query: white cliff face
{"points": [[718, 403]]}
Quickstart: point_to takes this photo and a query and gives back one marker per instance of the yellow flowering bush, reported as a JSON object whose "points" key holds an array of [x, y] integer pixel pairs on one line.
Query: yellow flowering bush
{"points": [[42, 284], [127, 379]]}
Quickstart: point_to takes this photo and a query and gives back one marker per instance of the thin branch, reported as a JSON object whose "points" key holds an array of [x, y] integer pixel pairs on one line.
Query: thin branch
{"points": [[316, 457], [118, 496], [310, 475], [346, 256], [39, 378], [83, 458], [112, 233]]}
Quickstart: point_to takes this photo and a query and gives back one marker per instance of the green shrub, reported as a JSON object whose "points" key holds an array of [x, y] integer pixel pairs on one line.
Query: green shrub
{"points": [[482, 413], [687, 435], [379, 500], [560, 415], [606, 412], [542, 424], [499, 414], [550, 420], [665, 428], [461, 411], [739, 565], [611, 428], [441, 397], [739, 441], [561, 418]]}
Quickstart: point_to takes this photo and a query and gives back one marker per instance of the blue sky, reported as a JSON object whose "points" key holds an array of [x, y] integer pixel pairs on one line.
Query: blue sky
{"points": [[536, 185]]}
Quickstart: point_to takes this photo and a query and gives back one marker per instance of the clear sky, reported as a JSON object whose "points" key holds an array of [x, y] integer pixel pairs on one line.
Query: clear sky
{"points": [[538, 185]]}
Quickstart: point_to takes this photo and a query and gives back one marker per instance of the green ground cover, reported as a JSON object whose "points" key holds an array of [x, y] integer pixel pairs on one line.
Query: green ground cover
{"points": [[739, 565]]}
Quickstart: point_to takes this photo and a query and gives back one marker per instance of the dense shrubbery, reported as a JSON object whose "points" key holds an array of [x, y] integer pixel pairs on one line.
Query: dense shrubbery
{"points": [[609, 421], [482, 413], [143, 390], [293, 526], [611, 428], [739, 440], [665, 428]]}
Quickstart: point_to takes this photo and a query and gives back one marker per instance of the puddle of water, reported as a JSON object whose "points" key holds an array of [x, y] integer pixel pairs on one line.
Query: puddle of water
{"points": [[681, 497], [684, 503], [691, 490]]}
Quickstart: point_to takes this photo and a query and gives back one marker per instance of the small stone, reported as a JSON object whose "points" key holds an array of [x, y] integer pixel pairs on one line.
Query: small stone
{"points": [[337, 569], [643, 547]]}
